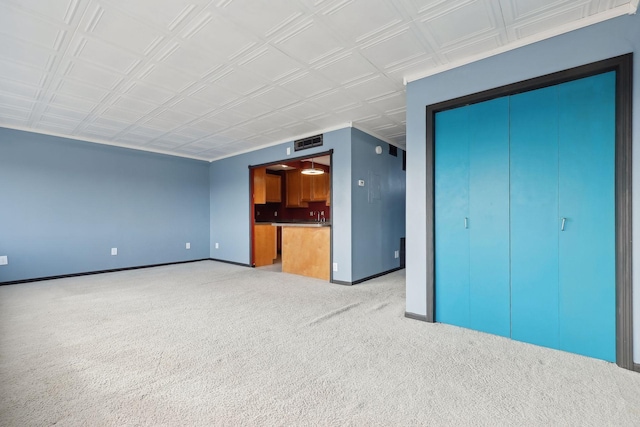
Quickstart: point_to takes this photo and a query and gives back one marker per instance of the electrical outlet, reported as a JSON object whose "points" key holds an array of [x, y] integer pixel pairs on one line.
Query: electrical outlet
{"points": [[114, 251], [311, 213], [275, 213], [335, 266], [188, 245], [361, 182], [217, 245], [288, 151], [396, 254], [4, 260]]}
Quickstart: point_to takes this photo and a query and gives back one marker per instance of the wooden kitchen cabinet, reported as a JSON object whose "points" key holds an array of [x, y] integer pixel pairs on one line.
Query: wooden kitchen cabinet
{"points": [[265, 244], [273, 188], [293, 182], [266, 187], [327, 187], [260, 186], [314, 188]]}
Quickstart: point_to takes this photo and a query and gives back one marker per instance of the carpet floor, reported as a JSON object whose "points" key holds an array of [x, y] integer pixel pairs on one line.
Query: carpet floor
{"points": [[212, 344]]}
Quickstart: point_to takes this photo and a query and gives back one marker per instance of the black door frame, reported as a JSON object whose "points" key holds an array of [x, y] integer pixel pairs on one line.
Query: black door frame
{"points": [[622, 65]]}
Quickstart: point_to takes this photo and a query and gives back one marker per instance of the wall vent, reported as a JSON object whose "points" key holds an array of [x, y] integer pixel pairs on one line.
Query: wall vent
{"points": [[393, 150], [310, 142]]}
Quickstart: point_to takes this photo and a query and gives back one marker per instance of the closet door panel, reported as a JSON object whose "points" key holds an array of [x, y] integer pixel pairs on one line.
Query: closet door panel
{"points": [[451, 209], [534, 217], [587, 244], [489, 294]]}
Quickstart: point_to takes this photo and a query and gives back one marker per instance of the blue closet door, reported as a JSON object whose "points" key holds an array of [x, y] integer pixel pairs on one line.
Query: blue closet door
{"points": [[534, 217], [451, 209], [587, 199], [472, 216], [489, 294]]}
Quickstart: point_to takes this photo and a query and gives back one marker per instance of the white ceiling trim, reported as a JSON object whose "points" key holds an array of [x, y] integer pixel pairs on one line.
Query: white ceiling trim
{"points": [[627, 9], [633, 6], [101, 142]]}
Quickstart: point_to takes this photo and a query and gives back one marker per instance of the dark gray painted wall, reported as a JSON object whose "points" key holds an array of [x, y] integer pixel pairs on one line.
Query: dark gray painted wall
{"points": [[64, 204]]}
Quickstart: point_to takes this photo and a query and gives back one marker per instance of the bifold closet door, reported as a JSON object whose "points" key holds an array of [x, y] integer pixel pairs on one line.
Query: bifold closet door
{"points": [[472, 217], [534, 216], [587, 297], [563, 216]]}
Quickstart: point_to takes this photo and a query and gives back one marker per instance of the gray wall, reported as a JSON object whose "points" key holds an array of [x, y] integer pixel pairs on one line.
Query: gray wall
{"points": [[378, 214], [230, 215], [604, 40], [64, 204]]}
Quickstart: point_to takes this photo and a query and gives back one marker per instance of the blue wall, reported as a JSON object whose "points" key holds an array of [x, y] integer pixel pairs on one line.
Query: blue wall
{"points": [[596, 42], [364, 235], [230, 215], [64, 204], [378, 214]]}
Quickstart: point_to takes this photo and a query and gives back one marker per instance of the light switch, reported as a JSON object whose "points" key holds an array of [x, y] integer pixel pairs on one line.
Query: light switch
{"points": [[114, 251], [188, 245], [4, 260]]}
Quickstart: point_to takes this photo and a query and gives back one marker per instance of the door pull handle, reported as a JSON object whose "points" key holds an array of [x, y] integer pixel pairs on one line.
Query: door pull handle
{"points": [[466, 222], [563, 222]]}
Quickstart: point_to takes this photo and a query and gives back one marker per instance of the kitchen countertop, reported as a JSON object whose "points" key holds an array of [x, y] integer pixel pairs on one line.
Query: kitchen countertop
{"points": [[300, 224]]}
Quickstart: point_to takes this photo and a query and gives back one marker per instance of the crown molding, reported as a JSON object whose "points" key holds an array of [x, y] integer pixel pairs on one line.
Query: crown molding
{"points": [[101, 142]]}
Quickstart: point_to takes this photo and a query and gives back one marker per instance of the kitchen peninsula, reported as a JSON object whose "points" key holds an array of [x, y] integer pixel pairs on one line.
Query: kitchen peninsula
{"points": [[306, 248]]}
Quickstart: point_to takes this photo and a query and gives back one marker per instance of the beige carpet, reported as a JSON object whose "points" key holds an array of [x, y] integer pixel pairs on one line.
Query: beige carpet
{"points": [[210, 344]]}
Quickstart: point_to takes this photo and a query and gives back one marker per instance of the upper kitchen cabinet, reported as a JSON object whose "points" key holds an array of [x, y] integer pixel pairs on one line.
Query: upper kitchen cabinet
{"points": [[314, 188], [274, 188], [293, 182], [266, 187]]}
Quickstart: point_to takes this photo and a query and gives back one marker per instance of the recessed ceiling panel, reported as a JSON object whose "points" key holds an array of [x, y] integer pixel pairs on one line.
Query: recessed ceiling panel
{"points": [[334, 100], [166, 13], [394, 49], [149, 93], [29, 28], [25, 53], [106, 55], [271, 64], [466, 20], [191, 61], [358, 19], [374, 87], [214, 94], [262, 18], [347, 68], [309, 42], [308, 85], [21, 73], [241, 81], [58, 10], [218, 36], [121, 29], [19, 89], [82, 90], [536, 26], [275, 98], [93, 75], [169, 78]]}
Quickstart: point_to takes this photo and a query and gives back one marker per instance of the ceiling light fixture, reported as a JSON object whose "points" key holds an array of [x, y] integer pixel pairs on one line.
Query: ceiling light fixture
{"points": [[312, 170]]}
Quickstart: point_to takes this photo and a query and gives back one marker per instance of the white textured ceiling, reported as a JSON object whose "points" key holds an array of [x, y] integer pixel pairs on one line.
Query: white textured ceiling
{"points": [[209, 79]]}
